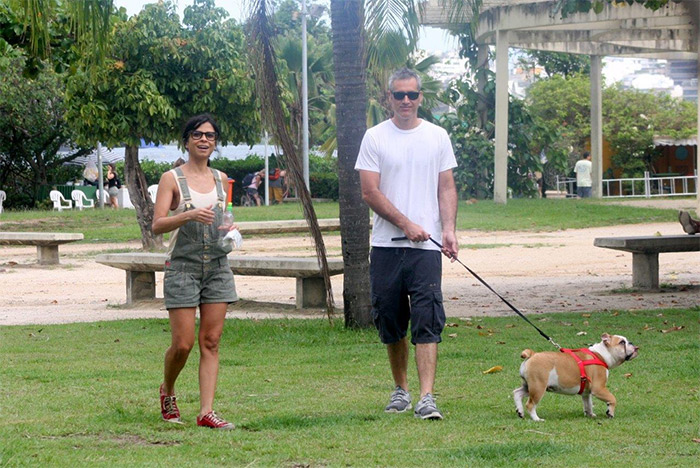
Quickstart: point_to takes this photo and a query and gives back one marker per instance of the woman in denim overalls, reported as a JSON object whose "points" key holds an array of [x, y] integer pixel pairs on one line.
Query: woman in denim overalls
{"points": [[197, 272]]}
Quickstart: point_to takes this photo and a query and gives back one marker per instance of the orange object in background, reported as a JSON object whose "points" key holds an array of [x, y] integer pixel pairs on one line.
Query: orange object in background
{"points": [[229, 195]]}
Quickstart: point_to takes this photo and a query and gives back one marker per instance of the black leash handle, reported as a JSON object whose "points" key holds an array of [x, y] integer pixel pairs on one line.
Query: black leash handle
{"points": [[473, 273]]}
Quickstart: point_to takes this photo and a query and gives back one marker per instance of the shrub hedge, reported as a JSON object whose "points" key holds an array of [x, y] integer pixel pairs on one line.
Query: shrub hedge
{"points": [[323, 174]]}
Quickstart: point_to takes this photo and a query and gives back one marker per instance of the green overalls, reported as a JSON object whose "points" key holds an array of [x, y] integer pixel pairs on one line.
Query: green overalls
{"points": [[198, 271]]}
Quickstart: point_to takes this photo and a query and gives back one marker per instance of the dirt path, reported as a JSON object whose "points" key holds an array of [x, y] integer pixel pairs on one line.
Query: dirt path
{"points": [[537, 272]]}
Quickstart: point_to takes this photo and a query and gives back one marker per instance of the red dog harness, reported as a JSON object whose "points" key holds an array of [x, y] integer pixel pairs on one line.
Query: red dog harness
{"points": [[596, 361]]}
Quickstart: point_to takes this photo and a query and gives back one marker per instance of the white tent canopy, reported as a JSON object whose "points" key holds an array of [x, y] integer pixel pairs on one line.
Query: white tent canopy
{"points": [[661, 141], [108, 157]]}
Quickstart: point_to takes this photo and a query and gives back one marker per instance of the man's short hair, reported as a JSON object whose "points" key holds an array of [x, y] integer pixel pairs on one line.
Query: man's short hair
{"points": [[404, 74], [586, 154]]}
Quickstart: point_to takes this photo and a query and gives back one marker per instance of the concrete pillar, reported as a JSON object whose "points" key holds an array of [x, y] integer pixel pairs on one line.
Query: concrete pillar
{"points": [[597, 125], [311, 292], [47, 254], [500, 164], [140, 286], [645, 270]]}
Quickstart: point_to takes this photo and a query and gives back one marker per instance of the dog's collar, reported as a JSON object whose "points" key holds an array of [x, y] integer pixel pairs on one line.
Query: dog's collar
{"points": [[596, 361]]}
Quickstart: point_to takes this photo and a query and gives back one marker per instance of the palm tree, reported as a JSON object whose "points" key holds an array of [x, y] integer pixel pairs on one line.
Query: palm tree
{"points": [[351, 59], [89, 19], [269, 93], [347, 20], [319, 76]]}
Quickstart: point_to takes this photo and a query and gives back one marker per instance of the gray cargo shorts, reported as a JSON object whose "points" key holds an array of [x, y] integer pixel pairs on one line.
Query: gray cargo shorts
{"points": [[189, 284]]}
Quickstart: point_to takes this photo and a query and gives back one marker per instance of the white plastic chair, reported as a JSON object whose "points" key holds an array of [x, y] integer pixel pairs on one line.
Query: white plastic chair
{"points": [[81, 201], [153, 191], [3, 195], [59, 203], [105, 197]]}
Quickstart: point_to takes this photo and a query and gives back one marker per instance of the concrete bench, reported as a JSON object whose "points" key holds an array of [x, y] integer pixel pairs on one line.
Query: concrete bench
{"points": [[311, 290], [46, 243], [280, 227], [645, 254]]}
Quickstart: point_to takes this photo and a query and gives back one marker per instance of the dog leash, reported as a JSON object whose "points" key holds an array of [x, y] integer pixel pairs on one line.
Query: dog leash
{"points": [[473, 273]]}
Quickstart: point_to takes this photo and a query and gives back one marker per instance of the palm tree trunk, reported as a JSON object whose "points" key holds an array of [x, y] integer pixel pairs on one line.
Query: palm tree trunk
{"points": [[347, 19], [263, 57], [138, 194]]}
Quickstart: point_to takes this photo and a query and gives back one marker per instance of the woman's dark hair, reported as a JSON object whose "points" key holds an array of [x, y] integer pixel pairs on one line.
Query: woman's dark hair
{"points": [[194, 122]]}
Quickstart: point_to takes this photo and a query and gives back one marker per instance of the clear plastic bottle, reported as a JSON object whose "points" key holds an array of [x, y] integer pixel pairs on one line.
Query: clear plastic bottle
{"points": [[226, 223]]}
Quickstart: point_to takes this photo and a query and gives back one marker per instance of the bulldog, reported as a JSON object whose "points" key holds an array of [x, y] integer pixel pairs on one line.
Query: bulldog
{"points": [[570, 372]]}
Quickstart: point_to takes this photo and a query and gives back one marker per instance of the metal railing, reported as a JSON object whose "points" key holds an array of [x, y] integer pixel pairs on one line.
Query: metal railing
{"points": [[649, 186], [566, 185]]}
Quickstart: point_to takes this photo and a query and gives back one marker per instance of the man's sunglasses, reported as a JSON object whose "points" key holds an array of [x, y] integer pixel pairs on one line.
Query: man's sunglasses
{"points": [[399, 95], [196, 135]]}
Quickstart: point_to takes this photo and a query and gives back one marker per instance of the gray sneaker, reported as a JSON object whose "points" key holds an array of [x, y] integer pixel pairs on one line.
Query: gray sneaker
{"points": [[427, 409], [400, 401]]}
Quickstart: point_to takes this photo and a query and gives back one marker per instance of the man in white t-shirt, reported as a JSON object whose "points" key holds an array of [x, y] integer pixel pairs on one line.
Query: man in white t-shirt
{"points": [[405, 166], [584, 182]]}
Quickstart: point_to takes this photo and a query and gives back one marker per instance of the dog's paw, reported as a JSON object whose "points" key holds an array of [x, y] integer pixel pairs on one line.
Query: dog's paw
{"points": [[591, 415], [520, 414], [609, 414]]}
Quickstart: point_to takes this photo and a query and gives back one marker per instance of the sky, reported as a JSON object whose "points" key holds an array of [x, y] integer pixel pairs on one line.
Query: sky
{"points": [[431, 39]]}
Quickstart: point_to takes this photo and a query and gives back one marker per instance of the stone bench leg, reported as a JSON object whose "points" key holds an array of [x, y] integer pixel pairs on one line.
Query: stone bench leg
{"points": [[645, 270], [48, 254], [311, 292], [140, 285]]}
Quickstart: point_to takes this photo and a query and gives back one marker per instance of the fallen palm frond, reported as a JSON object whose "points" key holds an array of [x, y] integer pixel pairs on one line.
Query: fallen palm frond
{"points": [[267, 83]]}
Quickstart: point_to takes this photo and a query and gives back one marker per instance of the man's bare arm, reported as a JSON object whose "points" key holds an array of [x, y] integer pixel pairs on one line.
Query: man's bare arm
{"points": [[447, 199]]}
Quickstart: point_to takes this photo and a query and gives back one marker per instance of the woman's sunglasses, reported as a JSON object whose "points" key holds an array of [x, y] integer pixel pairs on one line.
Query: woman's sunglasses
{"points": [[399, 95], [196, 135]]}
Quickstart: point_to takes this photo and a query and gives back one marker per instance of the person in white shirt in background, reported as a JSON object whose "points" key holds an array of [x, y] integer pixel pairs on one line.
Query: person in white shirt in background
{"points": [[584, 182]]}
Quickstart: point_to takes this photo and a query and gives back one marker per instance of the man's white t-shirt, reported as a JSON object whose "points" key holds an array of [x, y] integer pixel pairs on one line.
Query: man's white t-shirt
{"points": [[409, 163], [583, 170]]}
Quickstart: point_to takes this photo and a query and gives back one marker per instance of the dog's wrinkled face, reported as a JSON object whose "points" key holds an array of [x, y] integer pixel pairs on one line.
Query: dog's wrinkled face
{"points": [[619, 347]]}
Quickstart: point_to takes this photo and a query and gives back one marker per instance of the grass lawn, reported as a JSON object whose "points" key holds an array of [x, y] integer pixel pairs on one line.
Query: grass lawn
{"points": [[518, 215], [306, 393]]}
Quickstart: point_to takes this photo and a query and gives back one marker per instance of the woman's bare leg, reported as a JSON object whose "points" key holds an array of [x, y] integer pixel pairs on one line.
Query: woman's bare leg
{"points": [[210, 328], [182, 326]]}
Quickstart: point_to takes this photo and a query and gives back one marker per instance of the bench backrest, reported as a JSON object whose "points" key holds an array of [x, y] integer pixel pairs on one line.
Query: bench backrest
{"points": [[59, 203], [152, 192]]}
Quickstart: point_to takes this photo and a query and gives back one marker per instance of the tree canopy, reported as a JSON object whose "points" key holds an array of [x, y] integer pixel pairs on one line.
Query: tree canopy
{"points": [[631, 119], [159, 72], [33, 127]]}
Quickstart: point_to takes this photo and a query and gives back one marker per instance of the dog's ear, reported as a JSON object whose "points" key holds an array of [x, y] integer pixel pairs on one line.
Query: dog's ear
{"points": [[606, 339]]}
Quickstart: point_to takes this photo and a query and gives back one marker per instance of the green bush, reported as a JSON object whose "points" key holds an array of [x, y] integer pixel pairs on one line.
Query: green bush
{"points": [[237, 169], [151, 169], [324, 185], [323, 174], [234, 169], [62, 174]]}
